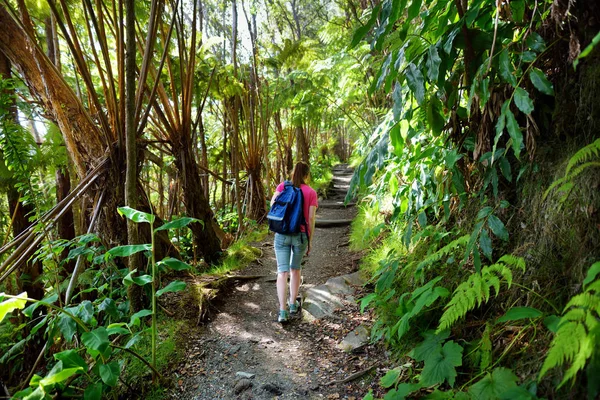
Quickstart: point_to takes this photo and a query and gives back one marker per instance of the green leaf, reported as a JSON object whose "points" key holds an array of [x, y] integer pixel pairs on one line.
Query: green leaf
{"points": [[505, 169], [138, 280], [60, 376], [517, 393], [485, 244], [135, 318], [433, 63], [129, 249], [135, 215], [109, 306], [96, 341], [175, 286], [590, 277], [360, 33], [178, 223], [431, 345], [440, 367], [515, 132], [541, 83], [506, 68], [175, 264], [67, 325], [71, 359], [390, 378], [588, 49], [494, 385], [435, 117], [551, 322], [517, 313], [402, 391], [484, 212], [110, 373], [416, 83], [93, 392], [15, 303], [497, 227], [522, 100], [364, 302], [414, 8], [28, 312], [517, 8]]}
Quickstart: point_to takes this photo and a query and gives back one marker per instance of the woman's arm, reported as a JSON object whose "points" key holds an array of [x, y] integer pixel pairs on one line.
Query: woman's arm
{"points": [[312, 218]]}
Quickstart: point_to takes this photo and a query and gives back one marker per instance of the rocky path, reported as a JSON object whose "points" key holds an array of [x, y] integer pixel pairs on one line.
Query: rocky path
{"points": [[243, 353]]}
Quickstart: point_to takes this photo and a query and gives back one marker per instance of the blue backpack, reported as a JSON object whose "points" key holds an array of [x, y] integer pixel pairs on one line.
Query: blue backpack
{"points": [[286, 215]]}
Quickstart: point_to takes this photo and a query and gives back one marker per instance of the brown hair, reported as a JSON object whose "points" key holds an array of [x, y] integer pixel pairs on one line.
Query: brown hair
{"points": [[300, 173]]}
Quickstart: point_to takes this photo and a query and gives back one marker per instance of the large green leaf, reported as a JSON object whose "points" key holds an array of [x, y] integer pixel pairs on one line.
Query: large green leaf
{"points": [[60, 376], [588, 49], [135, 215], [178, 223], [494, 385], [431, 345], [71, 359], [390, 378], [416, 83], [402, 391], [485, 244], [514, 131], [440, 367], [497, 227], [433, 63], [517, 313], [93, 391], [360, 33], [541, 83], [506, 68], [414, 8], [28, 312], [96, 341], [135, 318], [129, 249], [175, 264], [591, 274], [523, 101], [138, 280], [110, 373], [435, 117], [15, 303], [175, 286], [67, 326]]}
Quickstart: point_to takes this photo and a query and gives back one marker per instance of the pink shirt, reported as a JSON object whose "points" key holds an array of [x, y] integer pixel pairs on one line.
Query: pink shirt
{"points": [[310, 199]]}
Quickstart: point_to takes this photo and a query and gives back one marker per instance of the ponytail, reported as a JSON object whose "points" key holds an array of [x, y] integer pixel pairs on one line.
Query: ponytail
{"points": [[300, 173]]}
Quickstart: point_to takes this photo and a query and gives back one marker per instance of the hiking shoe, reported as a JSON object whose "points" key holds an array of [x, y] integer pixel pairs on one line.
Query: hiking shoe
{"points": [[294, 307], [283, 316]]}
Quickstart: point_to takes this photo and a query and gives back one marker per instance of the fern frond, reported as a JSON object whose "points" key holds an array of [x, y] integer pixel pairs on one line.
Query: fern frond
{"points": [[586, 300], [584, 154], [577, 337], [473, 292], [513, 261], [565, 346], [444, 251]]}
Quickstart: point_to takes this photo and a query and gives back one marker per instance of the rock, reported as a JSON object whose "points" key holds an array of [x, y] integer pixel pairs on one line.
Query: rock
{"points": [[242, 385], [235, 349], [272, 388], [245, 375], [320, 302], [338, 285], [355, 339]]}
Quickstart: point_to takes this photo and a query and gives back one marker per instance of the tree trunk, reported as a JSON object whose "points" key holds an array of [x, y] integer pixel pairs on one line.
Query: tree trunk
{"points": [[302, 145], [196, 203], [131, 172]]}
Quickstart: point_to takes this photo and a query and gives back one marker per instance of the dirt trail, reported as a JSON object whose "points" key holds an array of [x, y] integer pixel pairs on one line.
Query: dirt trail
{"points": [[243, 353]]}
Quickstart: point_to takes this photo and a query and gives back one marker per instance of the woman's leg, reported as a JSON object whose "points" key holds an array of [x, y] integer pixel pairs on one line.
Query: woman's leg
{"points": [[282, 278], [283, 250], [299, 246]]}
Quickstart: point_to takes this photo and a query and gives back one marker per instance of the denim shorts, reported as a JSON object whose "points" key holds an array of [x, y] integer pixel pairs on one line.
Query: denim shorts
{"points": [[289, 250]]}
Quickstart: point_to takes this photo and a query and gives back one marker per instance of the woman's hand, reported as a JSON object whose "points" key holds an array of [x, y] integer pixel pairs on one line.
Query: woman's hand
{"points": [[308, 250]]}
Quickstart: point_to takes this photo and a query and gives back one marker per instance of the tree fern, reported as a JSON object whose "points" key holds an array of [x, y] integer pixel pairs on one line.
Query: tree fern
{"points": [[477, 289], [578, 335]]}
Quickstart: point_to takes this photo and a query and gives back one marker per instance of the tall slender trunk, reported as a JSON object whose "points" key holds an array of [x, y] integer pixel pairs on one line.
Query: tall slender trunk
{"points": [[131, 172], [235, 119], [302, 144]]}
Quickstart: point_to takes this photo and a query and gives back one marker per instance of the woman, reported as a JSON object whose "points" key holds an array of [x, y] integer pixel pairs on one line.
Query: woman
{"points": [[289, 249]]}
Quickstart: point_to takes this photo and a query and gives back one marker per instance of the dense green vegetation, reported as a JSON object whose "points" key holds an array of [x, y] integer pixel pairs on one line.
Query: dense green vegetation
{"points": [[140, 141]]}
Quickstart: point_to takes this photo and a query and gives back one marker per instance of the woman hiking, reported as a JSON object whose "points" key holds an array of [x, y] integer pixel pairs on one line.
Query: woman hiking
{"points": [[290, 248]]}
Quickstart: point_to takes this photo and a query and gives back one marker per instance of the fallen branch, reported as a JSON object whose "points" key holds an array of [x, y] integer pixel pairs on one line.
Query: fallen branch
{"points": [[354, 376]]}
